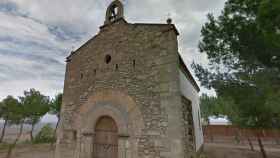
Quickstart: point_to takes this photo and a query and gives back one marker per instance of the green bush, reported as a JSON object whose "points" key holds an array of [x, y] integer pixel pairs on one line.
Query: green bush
{"points": [[46, 135], [4, 146]]}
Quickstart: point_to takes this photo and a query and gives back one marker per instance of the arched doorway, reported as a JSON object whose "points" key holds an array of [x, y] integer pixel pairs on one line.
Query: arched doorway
{"points": [[106, 138]]}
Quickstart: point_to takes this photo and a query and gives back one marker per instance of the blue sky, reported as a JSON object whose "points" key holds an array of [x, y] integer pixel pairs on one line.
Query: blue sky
{"points": [[37, 35]]}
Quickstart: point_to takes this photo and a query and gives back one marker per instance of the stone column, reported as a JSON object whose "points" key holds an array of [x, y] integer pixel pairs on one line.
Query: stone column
{"points": [[86, 145], [123, 147]]}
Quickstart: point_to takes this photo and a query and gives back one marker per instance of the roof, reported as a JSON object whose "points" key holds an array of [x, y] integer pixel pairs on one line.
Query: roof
{"points": [[187, 73], [171, 28]]}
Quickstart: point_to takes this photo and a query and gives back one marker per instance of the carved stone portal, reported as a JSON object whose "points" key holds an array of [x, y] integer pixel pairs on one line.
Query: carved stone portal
{"points": [[106, 138]]}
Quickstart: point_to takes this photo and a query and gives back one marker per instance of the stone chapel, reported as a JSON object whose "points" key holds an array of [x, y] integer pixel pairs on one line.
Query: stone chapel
{"points": [[129, 94]]}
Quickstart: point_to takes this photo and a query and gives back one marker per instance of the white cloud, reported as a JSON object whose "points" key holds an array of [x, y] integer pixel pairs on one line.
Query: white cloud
{"points": [[79, 15], [16, 88], [37, 35]]}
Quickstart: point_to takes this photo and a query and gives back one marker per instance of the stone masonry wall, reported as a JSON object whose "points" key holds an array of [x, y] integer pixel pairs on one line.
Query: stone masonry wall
{"points": [[189, 138], [144, 67]]}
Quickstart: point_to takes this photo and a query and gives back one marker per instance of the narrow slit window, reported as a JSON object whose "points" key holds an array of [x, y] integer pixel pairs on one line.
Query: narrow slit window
{"points": [[108, 59], [134, 63], [94, 71]]}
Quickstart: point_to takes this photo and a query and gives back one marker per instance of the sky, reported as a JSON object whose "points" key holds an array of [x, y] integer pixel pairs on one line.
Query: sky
{"points": [[37, 35]]}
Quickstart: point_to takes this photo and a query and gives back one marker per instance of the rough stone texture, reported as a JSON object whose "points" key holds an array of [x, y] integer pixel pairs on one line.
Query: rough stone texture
{"points": [[189, 137], [138, 88], [189, 92]]}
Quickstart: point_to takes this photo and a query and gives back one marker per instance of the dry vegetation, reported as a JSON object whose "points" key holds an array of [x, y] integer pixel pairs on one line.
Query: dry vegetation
{"points": [[212, 150], [220, 150], [29, 151]]}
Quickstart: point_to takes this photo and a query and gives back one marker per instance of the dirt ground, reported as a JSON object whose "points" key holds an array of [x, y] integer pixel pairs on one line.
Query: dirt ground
{"points": [[212, 150], [220, 150], [30, 151]]}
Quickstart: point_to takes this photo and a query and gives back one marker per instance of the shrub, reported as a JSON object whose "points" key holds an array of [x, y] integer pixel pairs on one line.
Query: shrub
{"points": [[45, 135], [4, 146]]}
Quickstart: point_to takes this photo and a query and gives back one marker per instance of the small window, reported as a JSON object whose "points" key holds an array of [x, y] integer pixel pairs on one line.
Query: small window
{"points": [[134, 63], [75, 135], [82, 76], [108, 59], [117, 67], [94, 71]]}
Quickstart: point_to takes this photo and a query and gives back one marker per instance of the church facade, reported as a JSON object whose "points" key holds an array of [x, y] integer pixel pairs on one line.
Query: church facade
{"points": [[128, 94]]}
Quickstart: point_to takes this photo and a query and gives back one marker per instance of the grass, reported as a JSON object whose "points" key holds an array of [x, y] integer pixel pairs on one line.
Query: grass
{"points": [[4, 146]]}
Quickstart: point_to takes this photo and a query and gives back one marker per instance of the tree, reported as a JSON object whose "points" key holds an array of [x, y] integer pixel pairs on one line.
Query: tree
{"points": [[2, 115], [17, 117], [244, 57], [55, 108], [242, 37], [214, 106], [45, 135], [36, 105], [7, 110], [208, 107], [268, 19]]}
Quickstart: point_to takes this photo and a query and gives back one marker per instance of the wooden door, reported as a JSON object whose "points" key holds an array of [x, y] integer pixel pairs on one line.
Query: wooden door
{"points": [[106, 139]]}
